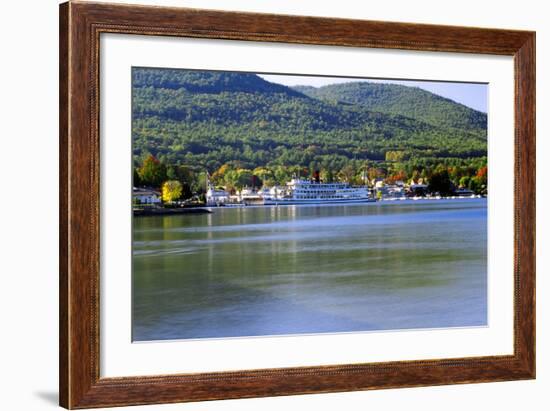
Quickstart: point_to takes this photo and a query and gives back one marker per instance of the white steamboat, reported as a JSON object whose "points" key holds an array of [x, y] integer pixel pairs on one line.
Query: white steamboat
{"points": [[299, 191]]}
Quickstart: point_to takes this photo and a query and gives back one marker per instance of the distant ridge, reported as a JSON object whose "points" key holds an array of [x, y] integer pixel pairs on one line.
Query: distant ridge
{"points": [[207, 81], [402, 100], [208, 118]]}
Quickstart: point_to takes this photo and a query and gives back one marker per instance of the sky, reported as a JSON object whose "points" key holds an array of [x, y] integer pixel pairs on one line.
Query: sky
{"points": [[473, 95]]}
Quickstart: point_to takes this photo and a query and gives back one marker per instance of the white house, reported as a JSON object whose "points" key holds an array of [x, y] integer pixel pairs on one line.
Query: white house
{"points": [[216, 197], [145, 196]]}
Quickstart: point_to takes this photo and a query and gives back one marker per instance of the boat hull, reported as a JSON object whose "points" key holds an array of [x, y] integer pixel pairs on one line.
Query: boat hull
{"points": [[291, 201]]}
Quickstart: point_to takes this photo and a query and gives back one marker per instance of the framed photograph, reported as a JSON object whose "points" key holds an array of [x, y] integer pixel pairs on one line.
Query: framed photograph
{"points": [[258, 205]]}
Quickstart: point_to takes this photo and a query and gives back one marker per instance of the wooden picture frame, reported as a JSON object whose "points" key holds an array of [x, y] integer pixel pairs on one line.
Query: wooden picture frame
{"points": [[80, 27]]}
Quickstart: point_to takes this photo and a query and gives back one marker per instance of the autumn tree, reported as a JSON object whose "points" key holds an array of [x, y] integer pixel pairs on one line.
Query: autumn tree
{"points": [[478, 184], [152, 172], [482, 175], [398, 176], [171, 191], [219, 175], [374, 173], [184, 175]]}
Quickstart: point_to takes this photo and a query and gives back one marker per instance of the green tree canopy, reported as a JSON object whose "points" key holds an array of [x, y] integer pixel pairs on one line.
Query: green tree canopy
{"points": [[152, 172]]}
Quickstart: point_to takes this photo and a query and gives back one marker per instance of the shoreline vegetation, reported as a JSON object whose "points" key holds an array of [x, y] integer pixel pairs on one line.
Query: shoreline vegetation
{"points": [[158, 186]]}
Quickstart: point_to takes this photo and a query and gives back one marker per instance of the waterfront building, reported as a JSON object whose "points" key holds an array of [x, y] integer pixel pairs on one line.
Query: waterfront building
{"points": [[216, 197], [148, 196]]}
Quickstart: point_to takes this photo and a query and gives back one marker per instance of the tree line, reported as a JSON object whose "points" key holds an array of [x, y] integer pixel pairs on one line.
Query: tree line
{"points": [[179, 181]]}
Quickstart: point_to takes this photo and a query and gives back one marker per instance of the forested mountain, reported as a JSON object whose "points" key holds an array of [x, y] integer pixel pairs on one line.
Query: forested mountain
{"points": [[396, 99], [205, 119], [198, 81]]}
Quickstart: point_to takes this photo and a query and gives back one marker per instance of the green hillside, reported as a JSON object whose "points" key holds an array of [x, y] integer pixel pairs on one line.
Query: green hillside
{"points": [[396, 99], [204, 119], [198, 81]]}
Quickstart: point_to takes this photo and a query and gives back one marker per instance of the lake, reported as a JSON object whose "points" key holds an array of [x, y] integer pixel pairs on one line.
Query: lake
{"points": [[258, 271]]}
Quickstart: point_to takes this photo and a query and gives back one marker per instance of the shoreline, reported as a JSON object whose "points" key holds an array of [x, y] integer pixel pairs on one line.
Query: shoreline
{"points": [[326, 204], [170, 211], [208, 209]]}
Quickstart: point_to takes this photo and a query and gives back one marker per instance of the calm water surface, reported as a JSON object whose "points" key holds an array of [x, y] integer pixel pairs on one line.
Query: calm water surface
{"points": [[310, 269]]}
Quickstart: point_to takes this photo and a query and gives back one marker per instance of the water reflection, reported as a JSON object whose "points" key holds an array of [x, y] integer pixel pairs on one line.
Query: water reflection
{"points": [[284, 270]]}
